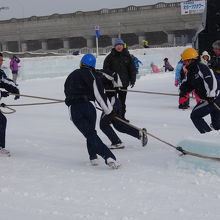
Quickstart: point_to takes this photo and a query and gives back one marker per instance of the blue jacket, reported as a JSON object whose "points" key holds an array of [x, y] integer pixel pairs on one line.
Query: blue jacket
{"points": [[178, 75], [84, 85]]}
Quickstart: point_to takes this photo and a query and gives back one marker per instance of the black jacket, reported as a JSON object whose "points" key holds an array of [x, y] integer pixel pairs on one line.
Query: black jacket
{"points": [[85, 84], [201, 79], [123, 64], [215, 64], [7, 84]]}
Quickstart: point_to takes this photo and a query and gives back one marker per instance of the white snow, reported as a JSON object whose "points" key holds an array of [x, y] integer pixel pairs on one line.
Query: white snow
{"points": [[50, 177]]}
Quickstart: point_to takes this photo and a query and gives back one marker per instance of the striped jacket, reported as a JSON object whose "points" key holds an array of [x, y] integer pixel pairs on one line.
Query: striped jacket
{"points": [[7, 84], [201, 79], [85, 84]]}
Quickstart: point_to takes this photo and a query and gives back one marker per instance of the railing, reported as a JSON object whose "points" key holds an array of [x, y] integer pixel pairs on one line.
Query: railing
{"points": [[99, 12]]}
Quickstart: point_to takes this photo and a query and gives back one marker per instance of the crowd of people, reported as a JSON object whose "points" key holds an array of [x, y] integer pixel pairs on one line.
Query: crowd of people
{"points": [[108, 87]]}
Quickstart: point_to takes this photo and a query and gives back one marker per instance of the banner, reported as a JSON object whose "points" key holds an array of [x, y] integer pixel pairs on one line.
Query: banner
{"points": [[193, 7]]}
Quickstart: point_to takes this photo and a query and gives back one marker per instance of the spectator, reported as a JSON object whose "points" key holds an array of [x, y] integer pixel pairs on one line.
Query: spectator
{"points": [[205, 58], [120, 61], [154, 68], [137, 63], [215, 60], [167, 65], [14, 68]]}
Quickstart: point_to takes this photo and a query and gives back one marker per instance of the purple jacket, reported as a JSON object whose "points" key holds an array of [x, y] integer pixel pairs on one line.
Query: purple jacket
{"points": [[14, 64], [168, 66]]}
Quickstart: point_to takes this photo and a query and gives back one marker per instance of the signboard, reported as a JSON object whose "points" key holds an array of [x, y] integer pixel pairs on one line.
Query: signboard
{"points": [[193, 7], [97, 31]]}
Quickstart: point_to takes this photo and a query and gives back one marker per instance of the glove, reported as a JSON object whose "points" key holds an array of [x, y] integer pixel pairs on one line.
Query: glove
{"points": [[112, 115], [210, 100], [183, 94], [4, 94], [132, 84], [176, 83], [17, 97]]}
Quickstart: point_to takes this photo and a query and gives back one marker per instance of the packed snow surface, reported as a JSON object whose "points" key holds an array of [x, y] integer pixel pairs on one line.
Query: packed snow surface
{"points": [[49, 175]]}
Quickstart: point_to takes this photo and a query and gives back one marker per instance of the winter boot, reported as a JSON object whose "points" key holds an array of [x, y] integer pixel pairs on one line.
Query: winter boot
{"points": [[143, 136], [117, 146], [112, 163], [4, 152]]}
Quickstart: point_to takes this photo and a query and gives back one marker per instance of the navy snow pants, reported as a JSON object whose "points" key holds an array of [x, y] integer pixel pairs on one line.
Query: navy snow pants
{"points": [[203, 109], [3, 122], [83, 116], [105, 126]]}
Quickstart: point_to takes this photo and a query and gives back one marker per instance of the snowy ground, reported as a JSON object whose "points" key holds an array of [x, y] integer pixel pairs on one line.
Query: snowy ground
{"points": [[49, 175]]}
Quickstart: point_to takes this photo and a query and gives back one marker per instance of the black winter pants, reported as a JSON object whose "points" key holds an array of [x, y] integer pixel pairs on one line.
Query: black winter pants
{"points": [[83, 116], [3, 123], [122, 96], [203, 109]]}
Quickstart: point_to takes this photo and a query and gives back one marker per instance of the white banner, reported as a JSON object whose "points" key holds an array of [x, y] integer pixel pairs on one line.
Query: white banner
{"points": [[193, 7]]}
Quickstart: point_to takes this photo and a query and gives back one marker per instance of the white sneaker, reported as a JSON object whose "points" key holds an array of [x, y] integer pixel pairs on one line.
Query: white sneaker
{"points": [[94, 162], [117, 146], [112, 163], [4, 152]]}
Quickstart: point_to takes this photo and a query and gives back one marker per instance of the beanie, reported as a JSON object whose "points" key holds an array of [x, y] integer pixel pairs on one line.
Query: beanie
{"points": [[119, 42]]}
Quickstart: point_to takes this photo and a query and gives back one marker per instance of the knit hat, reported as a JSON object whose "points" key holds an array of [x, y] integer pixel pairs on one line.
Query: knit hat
{"points": [[119, 42]]}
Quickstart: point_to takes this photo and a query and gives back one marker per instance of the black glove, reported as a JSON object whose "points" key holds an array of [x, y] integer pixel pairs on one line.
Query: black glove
{"points": [[210, 100], [17, 97], [112, 115], [4, 94], [182, 94]]}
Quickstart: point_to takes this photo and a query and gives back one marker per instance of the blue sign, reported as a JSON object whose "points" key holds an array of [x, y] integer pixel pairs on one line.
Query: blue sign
{"points": [[97, 32], [193, 7]]}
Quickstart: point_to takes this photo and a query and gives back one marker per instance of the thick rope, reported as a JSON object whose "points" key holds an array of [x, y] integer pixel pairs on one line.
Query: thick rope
{"points": [[184, 152], [160, 93], [5, 106]]}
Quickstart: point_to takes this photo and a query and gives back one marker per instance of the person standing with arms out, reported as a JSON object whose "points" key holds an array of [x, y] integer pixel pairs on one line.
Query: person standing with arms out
{"points": [[201, 79], [121, 62], [14, 67], [215, 60], [82, 88], [9, 86]]}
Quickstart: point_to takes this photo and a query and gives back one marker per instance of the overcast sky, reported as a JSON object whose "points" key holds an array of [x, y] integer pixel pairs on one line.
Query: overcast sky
{"points": [[28, 8]]}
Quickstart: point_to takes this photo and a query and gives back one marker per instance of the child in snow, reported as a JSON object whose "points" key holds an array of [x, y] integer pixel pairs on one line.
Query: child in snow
{"points": [[154, 68], [137, 63], [205, 58], [14, 67], [180, 76], [167, 65]]}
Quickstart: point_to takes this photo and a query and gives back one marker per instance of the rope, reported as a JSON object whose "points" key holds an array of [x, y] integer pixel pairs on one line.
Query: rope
{"points": [[5, 106], [54, 101], [180, 149], [37, 97], [160, 93]]}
